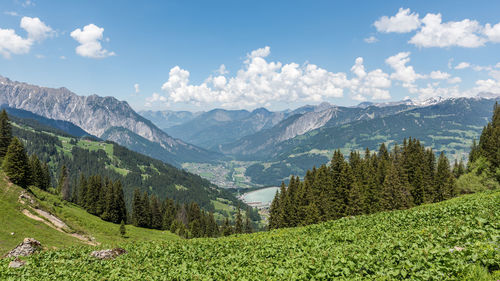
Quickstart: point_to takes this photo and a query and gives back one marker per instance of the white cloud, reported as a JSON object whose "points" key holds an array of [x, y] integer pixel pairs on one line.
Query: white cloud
{"points": [[438, 75], [136, 88], [371, 39], [462, 65], [402, 22], [62, 57], [260, 82], [497, 65], [434, 33], [11, 13], [89, 39], [222, 70], [454, 80], [28, 3], [403, 72], [11, 43], [155, 98], [37, 30], [39, 56], [492, 32]]}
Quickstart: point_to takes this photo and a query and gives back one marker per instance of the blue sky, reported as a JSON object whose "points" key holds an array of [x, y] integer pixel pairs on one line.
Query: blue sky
{"points": [[277, 54]]}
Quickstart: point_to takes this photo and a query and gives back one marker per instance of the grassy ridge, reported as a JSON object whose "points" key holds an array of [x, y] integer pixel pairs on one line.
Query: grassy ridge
{"points": [[13, 221], [444, 241]]}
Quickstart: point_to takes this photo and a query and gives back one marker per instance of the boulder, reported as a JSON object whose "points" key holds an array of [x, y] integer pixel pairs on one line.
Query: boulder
{"points": [[17, 263], [108, 254], [28, 247]]}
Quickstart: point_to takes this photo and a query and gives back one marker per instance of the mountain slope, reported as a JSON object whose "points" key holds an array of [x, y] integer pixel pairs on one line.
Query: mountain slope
{"points": [[164, 119], [260, 144], [134, 170], [447, 240], [448, 126], [77, 220], [219, 126], [95, 115]]}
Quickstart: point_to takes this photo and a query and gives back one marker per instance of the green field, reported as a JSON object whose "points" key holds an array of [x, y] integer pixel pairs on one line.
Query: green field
{"points": [[12, 220], [452, 240]]}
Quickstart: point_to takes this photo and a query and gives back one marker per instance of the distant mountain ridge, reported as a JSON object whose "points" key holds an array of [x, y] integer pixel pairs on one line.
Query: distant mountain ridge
{"points": [[96, 115], [215, 127]]}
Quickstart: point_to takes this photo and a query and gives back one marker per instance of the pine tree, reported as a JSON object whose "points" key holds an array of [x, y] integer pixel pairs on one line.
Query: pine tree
{"points": [[445, 184], [15, 164], [123, 231], [146, 219], [156, 218], [5, 133], [36, 171], [227, 229], [119, 198], [46, 182], [138, 209], [82, 191], [238, 226], [275, 212], [248, 224]]}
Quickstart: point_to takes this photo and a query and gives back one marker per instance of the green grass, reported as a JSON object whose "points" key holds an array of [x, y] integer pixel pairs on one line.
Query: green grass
{"points": [[452, 240], [79, 221]]}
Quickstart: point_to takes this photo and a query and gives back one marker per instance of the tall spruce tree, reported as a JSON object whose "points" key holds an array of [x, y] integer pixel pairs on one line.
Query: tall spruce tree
{"points": [[5, 133], [238, 225], [15, 164]]}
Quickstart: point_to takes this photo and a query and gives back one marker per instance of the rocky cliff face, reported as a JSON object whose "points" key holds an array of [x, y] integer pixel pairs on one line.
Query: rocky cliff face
{"points": [[93, 113]]}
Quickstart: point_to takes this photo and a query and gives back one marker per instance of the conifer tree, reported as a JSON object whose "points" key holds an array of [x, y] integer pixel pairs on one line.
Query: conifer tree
{"points": [[146, 210], [15, 164], [5, 133], [36, 171], [156, 218], [238, 226], [275, 212], [445, 183], [123, 230], [227, 229], [46, 182], [248, 224], [82, 191], [138, 209]]}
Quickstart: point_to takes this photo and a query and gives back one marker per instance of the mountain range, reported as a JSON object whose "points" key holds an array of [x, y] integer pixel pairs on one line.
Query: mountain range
{"points": [[275, 144], [97, 116]]}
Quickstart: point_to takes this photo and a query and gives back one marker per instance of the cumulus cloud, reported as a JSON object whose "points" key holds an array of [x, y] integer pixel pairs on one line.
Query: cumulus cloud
{"points": [[136, 88], [155, 98], [403, 72], [438, 75], [404, 21], [492, 32], [37, 30], [454, 80], [89, 38], [497, 65], [462, 65], [12, 43], [260, 82], [371, 39], [433, 32]]}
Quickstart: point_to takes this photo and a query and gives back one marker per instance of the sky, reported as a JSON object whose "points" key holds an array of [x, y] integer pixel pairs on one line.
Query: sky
{"points": [[199, 55]]}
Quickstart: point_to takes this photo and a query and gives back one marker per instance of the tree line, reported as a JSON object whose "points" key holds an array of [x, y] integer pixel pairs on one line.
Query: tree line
{"points": [[186, 220], [20, 168], [402, 178], [407, 176]]}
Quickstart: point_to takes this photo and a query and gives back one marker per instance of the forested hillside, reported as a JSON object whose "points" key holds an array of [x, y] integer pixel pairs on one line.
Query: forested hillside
{"points": [[135, 171]]}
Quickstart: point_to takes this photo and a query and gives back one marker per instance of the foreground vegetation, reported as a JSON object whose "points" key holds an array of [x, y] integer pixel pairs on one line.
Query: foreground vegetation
{"points": [[449, 240], [15, 226]]}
